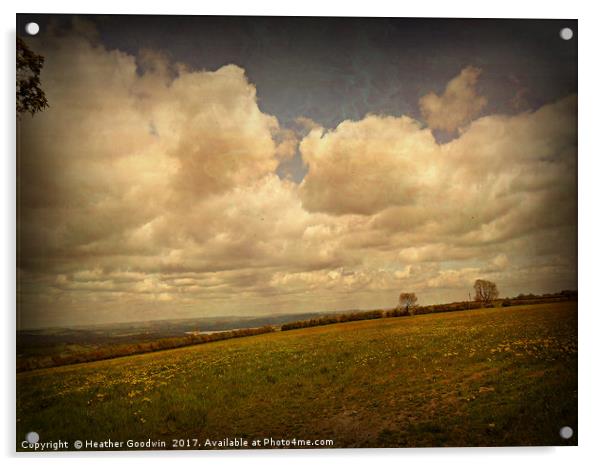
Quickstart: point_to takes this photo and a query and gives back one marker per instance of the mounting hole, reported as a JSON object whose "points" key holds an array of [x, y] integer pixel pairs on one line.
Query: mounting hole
{"points": [[566, 432], [32, 437], [32, 28], [566, 33]]}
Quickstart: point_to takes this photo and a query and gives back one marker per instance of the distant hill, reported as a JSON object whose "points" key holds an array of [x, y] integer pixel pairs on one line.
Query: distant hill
{"points": [[41, 341]]}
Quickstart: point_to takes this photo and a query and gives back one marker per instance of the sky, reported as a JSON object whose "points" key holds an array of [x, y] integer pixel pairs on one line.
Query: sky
{"points": [[206, 166]]}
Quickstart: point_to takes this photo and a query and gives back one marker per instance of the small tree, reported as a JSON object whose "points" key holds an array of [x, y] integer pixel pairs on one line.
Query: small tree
{"points": [[485, 292], [407, 302]]}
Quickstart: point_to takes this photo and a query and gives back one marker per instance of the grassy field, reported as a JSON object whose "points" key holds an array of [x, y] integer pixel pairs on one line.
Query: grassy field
{"points": [[490, 377]]}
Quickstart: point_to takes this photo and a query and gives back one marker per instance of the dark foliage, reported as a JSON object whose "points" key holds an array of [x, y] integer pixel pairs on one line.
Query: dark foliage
{"points": [[30, 96], [334, 319]]}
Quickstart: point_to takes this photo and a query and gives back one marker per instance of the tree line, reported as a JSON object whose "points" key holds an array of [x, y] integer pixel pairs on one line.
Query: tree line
{"points": [[485, 296]]}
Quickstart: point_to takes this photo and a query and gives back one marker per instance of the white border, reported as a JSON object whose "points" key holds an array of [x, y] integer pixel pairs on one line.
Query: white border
{"points": [[590, 195]]}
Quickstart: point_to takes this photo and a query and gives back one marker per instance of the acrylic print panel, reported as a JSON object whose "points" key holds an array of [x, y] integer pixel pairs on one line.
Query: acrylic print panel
{"points": [[249, 232]]}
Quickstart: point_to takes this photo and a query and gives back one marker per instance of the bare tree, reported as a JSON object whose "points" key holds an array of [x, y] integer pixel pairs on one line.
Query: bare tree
{"points": [[407, 302], [485, 292]]}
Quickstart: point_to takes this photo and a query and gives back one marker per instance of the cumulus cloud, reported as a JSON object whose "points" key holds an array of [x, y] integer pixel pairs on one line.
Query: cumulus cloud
{"points": [[117, 150], [457, 106], [505, 175], [364, 166], [149, 190]]}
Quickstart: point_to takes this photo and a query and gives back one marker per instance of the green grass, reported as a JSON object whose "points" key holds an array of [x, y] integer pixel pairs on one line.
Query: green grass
{"points": [[505, 376]]}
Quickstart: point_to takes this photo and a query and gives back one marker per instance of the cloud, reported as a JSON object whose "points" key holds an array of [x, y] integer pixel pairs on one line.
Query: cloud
{"points": [[213, 127], [457, 106], [500, 261], [118, 149], [504, 175], [365, 166], [149, 190]]}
